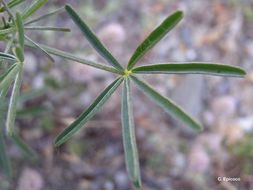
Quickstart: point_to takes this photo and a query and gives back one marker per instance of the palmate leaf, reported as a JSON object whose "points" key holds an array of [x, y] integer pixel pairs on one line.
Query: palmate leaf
{"points": [[88, 114], [91, 37], [168, 24], [191, 68], [128, 133], [169, 106], [37, 4]]}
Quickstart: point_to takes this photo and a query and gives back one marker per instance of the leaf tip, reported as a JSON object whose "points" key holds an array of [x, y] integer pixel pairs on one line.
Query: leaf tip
{"points": [[197, 126], [180, 12], [137, 183], [67, 7], [58, 141], [243, 73], [200, 128]]}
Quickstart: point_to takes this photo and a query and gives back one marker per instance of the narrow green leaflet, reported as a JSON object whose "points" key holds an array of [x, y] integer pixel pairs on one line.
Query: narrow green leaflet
{"points": [[7, 73], [20, 29], [5, 165], [191, 68], [128, 133], [8, 57], [44, 16], [27, 151], [37, 4], [48, 28], [168, 24], [166, 104], [9, 76], [91, 37], [14, 3], [71, 57], [40, 48], [11, 114], [88, 114]]}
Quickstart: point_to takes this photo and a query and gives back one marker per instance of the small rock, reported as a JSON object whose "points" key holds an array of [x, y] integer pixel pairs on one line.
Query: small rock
{"points": [[108, 185], [179, 163], [112, 33], [233, 131], [83, 73], [30, 179], [224, 106], [233, 134], [38, 81], [84, 184], [121, 180], [246, 123], [211, 141], [199, 160], [30, 62], [208, 118]]}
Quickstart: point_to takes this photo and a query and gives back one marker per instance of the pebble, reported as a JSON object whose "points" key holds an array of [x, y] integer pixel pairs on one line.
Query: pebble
{"points": [[112, 33], [30, 179], [30, 62], [108, 185], [38, 81], [199, 160], [224, 106], [121, 180]]}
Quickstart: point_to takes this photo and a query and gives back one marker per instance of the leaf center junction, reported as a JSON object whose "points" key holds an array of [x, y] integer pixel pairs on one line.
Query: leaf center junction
{"points": [[127, 72]]}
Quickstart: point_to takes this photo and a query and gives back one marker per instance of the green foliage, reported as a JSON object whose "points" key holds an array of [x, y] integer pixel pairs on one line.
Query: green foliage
{"points": [[88, 114], [168, 24], [13, 33], [128, 133], [91, 37], [191, 68], [129, 74]]}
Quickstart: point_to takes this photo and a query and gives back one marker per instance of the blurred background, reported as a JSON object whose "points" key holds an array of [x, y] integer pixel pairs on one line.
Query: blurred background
{"points": [[172, 157]]}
